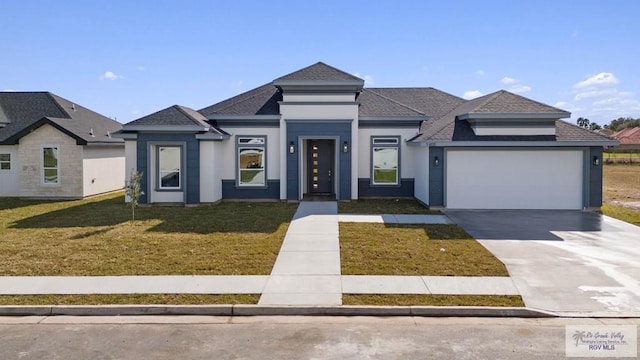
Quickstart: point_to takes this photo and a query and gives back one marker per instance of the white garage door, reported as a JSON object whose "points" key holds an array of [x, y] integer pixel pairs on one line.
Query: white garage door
{"points": [[514, 179]]}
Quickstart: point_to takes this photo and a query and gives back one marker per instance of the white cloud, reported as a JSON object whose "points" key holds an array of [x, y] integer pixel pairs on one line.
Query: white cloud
{"points": [[110, 75], [480, 72], [598, 80], [508, 80], [594, 94], [567, 106], [518, 88], [472, 94], [599, 99], [141, 68], [368, 79], [9, 90]]}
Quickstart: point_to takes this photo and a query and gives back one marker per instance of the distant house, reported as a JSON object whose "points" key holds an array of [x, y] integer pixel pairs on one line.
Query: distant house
{"points": [[51, 147], [319, 133], [629, 139]]}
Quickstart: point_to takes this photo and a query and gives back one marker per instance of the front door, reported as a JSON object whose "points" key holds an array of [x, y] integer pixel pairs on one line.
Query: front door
{"points": [[320, 154]]}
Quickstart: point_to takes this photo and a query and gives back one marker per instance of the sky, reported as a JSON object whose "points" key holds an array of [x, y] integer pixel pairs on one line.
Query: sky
{"points": [[126, 59]]}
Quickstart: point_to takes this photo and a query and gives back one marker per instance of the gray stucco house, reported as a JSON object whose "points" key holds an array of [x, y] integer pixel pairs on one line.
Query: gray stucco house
{"points": [[319, 132]]}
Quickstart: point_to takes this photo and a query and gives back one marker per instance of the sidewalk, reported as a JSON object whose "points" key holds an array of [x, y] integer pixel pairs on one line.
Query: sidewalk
{"points": [[306, 272]]}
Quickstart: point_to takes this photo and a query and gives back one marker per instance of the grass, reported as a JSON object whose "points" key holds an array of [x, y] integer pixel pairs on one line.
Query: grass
{"points": [[130, 299], [384, 206], [621, 188], [431, 300], [445, 250], [622, 213], [96, 237], [621, 183]]}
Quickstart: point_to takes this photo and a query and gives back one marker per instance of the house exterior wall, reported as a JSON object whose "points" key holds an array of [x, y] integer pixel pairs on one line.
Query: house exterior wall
{"points": [[340, 131], [421, 166], [69, 164], [228, 164], [211, 165], [337, 120], [103, 169], [10, 178], [405, 188], [190, 172], [594, 199], [436, 176]]}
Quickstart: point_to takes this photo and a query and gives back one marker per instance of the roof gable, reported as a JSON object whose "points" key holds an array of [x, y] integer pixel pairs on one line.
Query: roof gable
{"points": [[24, 110], [318, 72], [508, 103], [175, 115]]}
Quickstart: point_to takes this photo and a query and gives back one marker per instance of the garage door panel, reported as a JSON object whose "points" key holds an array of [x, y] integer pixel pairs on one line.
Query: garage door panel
{"points": [[514, 179]]}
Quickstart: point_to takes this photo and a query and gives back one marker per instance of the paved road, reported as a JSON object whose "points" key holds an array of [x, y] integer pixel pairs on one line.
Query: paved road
{"points": [[564, 261], [286, 338]]}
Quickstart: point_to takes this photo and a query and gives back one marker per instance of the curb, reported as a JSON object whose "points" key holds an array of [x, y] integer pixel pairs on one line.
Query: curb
{"points": [[259, 310]]}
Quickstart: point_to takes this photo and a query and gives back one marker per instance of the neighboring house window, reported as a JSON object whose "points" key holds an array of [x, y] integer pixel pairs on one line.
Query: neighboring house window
{"points": [[385, 160], [50, 165], [251, 161], [5, 162], [169, 169]]}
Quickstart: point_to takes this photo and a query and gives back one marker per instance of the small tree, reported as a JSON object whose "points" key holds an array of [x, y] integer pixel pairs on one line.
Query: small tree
{"points": [[133, 190]]}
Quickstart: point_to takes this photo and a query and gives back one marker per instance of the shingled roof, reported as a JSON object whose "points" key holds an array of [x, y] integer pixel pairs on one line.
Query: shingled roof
{"points": [[175, 115], [318, 72], [26, 111], [262, 100], [448, 128]]}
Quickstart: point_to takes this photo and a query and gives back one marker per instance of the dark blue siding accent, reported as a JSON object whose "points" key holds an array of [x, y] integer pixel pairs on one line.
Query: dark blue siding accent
{"points": [[192, 163], [595, 177], [342, 130], [436, 177], [405, 189], [231, 191]]}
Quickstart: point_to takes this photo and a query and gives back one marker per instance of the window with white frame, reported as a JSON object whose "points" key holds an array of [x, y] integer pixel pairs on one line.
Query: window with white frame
{"points": [[169, 167], [251, 160], [50, 165], [5, 161], [385, 160]]}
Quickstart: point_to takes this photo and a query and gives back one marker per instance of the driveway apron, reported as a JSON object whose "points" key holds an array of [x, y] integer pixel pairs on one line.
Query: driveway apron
{"points": [[568, 262]]}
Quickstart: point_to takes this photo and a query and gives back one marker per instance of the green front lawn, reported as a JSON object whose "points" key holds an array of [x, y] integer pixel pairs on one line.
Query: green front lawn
{"points": [[384, 206], [130, 299], [621, 213], [431, 300], [96, 237], [447, 250]]}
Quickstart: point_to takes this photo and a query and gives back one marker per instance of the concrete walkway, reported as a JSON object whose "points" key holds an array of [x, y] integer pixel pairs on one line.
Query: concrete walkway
{"points": [[306, 272]]}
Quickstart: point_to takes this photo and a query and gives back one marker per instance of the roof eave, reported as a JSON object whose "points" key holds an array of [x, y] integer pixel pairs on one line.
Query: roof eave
{"points": [[564, 143], [510, 116], [165, 128], [280, 83], [243, 117]]}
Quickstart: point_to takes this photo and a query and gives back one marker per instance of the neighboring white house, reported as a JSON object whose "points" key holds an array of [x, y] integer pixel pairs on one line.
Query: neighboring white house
{"points": [[53, 148], [318, 132]]}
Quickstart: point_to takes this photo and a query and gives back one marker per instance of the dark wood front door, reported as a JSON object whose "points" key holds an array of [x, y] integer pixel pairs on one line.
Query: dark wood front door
{"points": [[320, 172]]}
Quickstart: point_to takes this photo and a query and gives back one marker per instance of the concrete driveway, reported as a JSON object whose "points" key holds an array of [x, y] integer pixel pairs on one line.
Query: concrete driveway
{"points": [[570, 262]]}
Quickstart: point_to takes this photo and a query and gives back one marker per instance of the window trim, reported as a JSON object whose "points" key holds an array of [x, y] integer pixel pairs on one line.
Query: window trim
{"points": [[42, 167], [10, 162], [379, 142], [240, 144], [158, 172]]}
